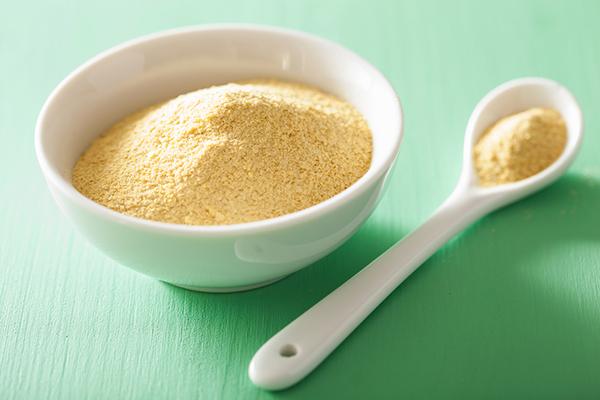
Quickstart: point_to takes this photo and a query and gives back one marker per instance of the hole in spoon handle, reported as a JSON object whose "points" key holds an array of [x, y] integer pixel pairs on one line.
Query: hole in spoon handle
{"points": [[288, 350]]}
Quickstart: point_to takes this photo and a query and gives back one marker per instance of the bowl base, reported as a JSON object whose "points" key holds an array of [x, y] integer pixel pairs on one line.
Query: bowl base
{"points": [[231, 289]]}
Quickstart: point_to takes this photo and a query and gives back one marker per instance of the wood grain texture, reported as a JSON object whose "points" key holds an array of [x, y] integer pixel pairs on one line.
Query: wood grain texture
{"points": [[509, 309]]}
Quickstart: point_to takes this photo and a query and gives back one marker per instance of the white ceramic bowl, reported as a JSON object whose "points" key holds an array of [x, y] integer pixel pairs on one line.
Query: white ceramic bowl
{"points": [[161, 66]]}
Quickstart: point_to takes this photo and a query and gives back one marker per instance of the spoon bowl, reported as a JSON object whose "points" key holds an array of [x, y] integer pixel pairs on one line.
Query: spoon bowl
{"points": [[510, 98], [297, 349]]}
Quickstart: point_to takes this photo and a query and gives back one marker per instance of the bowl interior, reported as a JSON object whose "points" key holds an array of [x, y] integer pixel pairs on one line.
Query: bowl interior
{"points": [[148, 70]]}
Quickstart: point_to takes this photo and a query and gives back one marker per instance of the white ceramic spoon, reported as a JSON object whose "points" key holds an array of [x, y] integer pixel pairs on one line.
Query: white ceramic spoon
{"points": [[297, 349]]}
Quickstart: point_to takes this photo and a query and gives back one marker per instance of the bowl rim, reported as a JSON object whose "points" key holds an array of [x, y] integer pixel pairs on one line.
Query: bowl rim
{"points": [[65, 187]]}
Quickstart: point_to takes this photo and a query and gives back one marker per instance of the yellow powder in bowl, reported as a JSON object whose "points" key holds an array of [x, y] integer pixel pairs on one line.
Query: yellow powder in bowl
{"points": [[228, 154], [519, 146]]}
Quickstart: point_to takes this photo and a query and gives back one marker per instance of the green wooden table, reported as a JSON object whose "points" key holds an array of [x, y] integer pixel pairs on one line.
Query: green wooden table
{"points": [[510, 309]]}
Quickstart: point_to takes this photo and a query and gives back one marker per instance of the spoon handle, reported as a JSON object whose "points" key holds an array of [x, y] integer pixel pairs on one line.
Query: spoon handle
{"points": [[298, 348]]}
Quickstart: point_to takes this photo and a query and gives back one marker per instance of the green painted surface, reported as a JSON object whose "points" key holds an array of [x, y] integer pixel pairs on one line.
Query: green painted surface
{"points": [[509, 309]]}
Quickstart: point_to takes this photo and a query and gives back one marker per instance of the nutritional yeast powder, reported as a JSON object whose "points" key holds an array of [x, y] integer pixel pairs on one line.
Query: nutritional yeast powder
{"points": [[228, 154], [519, 146]]}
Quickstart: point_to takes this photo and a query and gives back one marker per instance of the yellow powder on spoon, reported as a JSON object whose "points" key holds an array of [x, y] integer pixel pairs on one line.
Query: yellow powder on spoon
{"points": [[519, 146], [228, 154]]}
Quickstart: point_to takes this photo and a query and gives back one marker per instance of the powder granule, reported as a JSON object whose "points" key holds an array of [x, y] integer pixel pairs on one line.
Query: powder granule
{"points": [[228, 154], [519, 146]]}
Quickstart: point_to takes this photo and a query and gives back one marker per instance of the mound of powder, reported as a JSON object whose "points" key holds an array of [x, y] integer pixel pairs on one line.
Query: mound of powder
{"points": [[519, 146], [228, 154]]}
